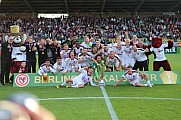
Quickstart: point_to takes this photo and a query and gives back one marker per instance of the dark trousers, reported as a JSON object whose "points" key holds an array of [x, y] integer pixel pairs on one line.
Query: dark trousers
{"points": [[141, 65], [40, 62], [5, 71], [31, 63], [158, 64]]}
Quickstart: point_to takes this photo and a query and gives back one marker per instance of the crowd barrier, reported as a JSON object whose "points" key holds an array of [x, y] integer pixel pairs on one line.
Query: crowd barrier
{"points": [[110, 78]]}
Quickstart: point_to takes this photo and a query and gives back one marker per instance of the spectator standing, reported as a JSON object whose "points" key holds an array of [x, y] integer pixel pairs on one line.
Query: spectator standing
{"points": [[6, 60]]}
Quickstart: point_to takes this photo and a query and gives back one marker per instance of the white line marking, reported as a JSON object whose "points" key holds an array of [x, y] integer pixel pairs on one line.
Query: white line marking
{"points": [[139, 98], [109, 105]]}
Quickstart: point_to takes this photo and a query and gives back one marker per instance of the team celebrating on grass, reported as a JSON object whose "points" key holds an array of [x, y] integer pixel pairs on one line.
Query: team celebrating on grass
{"points": [[75, 55]]}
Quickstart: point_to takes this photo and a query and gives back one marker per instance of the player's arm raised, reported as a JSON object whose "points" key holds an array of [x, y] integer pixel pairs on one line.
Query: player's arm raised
{"points": [[107, 59]]}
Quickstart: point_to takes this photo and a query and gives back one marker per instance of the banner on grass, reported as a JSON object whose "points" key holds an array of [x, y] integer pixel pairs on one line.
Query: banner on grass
{"points": [[33, 79]]}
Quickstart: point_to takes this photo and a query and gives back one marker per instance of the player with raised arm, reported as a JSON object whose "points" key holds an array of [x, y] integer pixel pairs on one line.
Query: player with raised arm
{"points": [[134, 77], [84, 77]]}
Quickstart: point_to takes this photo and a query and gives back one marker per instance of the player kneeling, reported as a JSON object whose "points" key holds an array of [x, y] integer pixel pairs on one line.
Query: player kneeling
{"points": [[81, 79], [134, 78]]}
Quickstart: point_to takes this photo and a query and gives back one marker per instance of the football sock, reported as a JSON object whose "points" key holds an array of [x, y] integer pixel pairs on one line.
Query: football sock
{"points": [[74, 86], [148, 82], [63, 84]]}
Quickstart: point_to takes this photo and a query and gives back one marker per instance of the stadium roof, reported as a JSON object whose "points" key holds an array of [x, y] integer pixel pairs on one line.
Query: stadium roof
{"points": [[71, 6]]}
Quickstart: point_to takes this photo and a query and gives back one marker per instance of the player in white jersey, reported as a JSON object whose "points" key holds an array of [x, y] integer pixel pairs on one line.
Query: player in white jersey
{"points": [[134, 78], [112, 62], [134, 40], [105, 51], [83, 57], [84, 77], [119, 51], [128, 54], [65, 52], [87, 44], [46, 68], [98, 44], [72, 63], [78, 49], [141, 58], [59, 66]]}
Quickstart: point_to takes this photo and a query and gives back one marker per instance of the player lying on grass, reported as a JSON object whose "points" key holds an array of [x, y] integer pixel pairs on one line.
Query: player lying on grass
{"points": [[134, 78], [84, 77]]}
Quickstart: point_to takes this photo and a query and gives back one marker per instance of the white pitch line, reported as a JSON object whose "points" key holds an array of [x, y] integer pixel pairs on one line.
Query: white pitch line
{"points": [[139, 98], [109, 105]]}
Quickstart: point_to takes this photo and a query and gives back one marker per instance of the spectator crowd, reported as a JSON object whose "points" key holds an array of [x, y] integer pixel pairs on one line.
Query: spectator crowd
{"points": [[63, 29]]}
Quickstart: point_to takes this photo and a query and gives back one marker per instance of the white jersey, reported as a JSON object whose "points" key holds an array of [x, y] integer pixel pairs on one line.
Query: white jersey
{"points": [[113, 62], [78, 50], [128, 55], [71, 64], [122, 43], [119, 53], [82, 78], [18, 55], [65, 54], [44, 69], [84, 60], [128, 52], [106, 53], [133, 78], [159, 52], [140, 55], [92, 55], [59, 67], [85, 45]]}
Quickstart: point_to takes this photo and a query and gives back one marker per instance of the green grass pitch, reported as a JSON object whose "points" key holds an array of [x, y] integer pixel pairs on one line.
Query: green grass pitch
{"points": [[129, 103]]}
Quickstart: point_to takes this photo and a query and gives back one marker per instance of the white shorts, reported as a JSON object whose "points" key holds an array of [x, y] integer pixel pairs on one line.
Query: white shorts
{"points": [[129, 62], [77, 82], [139, 79]]}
